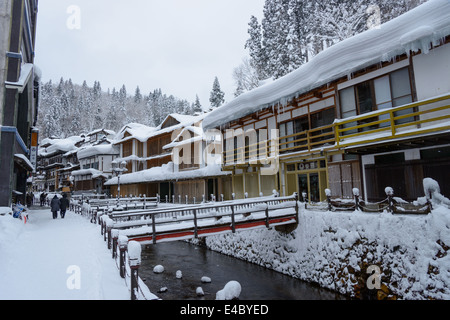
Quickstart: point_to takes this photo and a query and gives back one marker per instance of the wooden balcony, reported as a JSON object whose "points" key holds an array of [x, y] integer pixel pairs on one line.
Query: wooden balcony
{"points": [[422, 118], [419, 119]]}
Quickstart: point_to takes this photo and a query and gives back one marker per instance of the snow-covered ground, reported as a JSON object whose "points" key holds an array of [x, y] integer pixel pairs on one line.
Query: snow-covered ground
{"points": [[63, 259], [67, 259]]}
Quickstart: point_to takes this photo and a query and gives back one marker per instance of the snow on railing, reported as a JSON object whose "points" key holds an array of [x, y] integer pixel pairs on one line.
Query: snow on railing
{"points": [[391, 204], [151, 223]]}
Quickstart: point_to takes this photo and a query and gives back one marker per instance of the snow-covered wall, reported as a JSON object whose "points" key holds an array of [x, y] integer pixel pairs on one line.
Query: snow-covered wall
{"points": [[431, 73], [336, 250]]}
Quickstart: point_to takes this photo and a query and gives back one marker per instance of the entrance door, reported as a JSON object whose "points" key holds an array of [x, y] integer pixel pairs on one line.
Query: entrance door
{"points": [[310, 184], [303, 184]]}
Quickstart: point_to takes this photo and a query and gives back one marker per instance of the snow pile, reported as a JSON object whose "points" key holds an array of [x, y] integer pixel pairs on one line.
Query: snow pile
{"points": [[414, 30], [10, 228], [5, 210], [158, 269], [231, 291], [335, 250], [199, 291]]}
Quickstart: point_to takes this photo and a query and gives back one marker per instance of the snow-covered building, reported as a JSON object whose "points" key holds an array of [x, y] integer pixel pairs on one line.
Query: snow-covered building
{"points": [[155, 165], [369, 112], [19, 91], [95, 164], [57, 158]]}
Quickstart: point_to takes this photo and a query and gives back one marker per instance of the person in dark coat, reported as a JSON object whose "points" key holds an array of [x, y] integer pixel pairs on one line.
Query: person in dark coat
{"points": [[63, 205], [54, 205], [42, 198]]}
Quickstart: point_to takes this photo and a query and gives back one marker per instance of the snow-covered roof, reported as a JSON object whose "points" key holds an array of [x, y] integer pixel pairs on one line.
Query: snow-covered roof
{"points": [[100, 149], [166, 173], [143, 133], [95, 173], [412, 31], [109, 132], [197, 135], [55, 146], [136, 131]]}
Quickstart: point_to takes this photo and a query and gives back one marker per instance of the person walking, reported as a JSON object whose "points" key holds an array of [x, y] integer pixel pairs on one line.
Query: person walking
{"points": [[63, 205], [42, 198], [55, 206]]}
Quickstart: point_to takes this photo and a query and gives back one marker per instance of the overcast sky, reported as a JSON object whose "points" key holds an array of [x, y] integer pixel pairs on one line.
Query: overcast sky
{"points": [[176, 45]]}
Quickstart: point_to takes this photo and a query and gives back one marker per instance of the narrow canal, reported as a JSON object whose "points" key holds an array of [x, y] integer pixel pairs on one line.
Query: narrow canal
{"points": [[194, 262]]}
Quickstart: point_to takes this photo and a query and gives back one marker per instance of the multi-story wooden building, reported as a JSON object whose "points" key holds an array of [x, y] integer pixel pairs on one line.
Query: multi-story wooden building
{"points": [[156, 161], [369, 112], [95, 164], [56, 161], [19, 90]]}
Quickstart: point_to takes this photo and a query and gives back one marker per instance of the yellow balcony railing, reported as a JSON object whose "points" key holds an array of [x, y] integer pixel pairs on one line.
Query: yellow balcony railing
{"points": [[419, 118], [424, 117]]}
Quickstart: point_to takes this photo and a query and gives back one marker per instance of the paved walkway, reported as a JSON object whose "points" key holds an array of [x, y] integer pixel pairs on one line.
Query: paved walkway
{"points": [[62, 259]]}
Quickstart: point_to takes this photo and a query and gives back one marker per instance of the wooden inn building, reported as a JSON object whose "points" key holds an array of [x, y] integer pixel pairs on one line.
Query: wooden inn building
{"points": [[369, 112]]}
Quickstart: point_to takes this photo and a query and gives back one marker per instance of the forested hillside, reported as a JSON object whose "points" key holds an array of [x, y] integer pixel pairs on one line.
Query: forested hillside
{"points": [[68, 109], [293, 31]]}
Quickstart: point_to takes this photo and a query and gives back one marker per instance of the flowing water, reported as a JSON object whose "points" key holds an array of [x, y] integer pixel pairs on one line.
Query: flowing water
{"points": [[195, 262]]}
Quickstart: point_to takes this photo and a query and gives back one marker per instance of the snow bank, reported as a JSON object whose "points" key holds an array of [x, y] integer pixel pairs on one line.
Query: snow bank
{"points": [[414, 30], [335, 250]]}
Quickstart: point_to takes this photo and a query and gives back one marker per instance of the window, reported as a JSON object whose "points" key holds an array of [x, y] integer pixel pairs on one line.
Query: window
{"points": [[286, 130], [391, 90], [322, 118], [365, 97], [348, 105], [140, 149]]}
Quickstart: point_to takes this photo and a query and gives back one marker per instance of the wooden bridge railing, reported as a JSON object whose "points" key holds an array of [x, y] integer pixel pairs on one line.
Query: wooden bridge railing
{"points": [[267, 211]]}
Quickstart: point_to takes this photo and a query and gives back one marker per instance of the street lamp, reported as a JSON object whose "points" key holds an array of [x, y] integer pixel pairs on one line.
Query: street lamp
{"points": [[118, 169]]}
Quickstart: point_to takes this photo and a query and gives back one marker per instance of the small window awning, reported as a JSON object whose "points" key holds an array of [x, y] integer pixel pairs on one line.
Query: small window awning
{"points": [[26, 71]]}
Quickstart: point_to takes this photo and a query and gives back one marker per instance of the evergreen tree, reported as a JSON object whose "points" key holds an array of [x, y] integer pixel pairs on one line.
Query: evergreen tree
{"points": [[217, 95], [256, 50], [197, 106], [137, 95]]}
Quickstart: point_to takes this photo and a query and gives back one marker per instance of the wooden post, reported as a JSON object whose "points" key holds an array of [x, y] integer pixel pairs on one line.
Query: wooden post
{"points": [[390, 194], [154, 228], [123, 247], [115, 237], [267, 214], [296, 206], [134, 257], [109, 226], [195, 224], [233, 227], [356, 195], [328, 194]]}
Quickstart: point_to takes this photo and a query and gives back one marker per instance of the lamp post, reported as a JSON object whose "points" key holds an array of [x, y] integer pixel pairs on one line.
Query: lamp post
{"points": [[118, 169]]}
